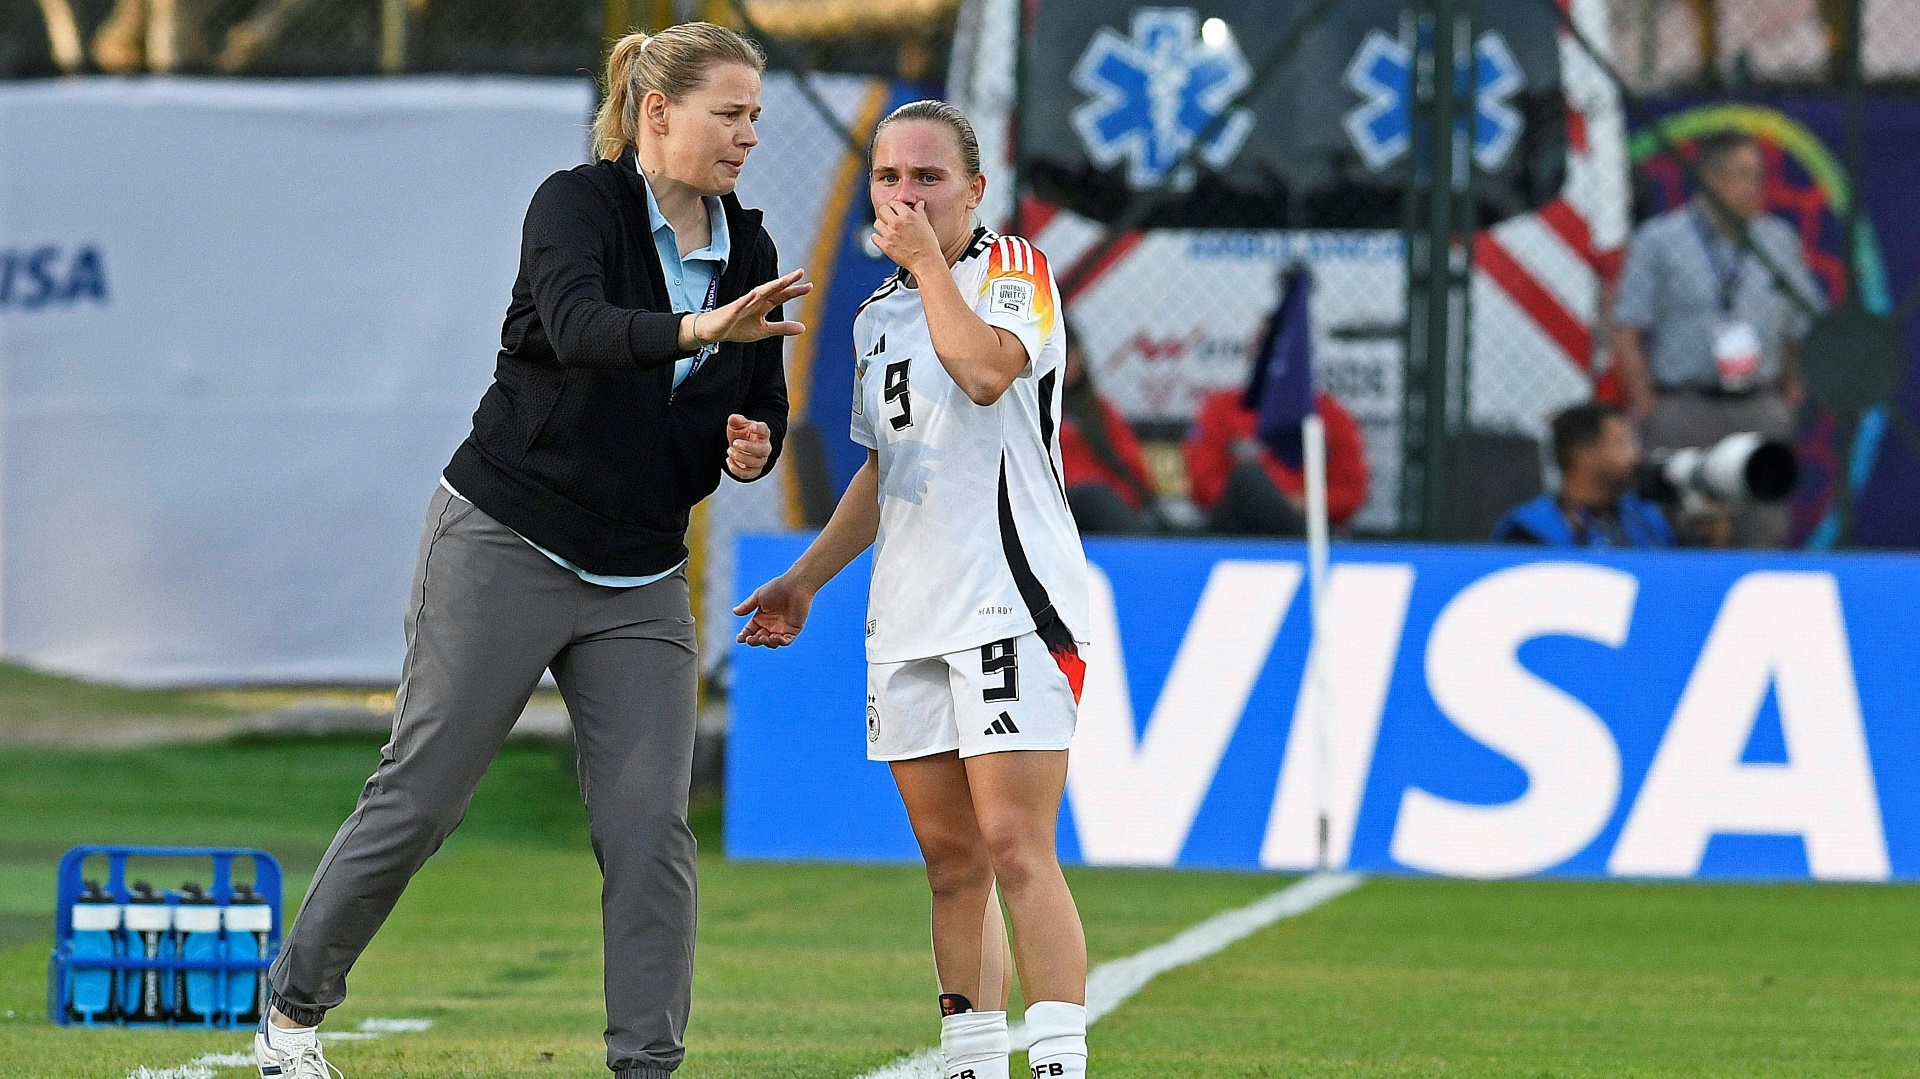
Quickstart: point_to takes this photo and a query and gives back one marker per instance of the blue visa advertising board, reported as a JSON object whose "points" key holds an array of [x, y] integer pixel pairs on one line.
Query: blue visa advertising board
{"points": [[1471, 711]]}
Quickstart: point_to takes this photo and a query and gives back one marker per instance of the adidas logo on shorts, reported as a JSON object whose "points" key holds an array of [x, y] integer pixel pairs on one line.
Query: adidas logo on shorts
{"points": [[1003, 725]]}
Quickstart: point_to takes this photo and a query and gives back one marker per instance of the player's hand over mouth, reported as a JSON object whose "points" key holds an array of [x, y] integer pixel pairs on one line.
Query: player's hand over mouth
{"points": [[903, 233]]}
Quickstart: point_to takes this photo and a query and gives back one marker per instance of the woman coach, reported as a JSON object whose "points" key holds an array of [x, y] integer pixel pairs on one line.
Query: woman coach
{"points": [[641, 355]]}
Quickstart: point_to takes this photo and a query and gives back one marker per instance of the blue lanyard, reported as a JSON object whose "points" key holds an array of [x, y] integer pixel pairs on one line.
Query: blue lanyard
{"points": [[712, 301], [1726, 277], [1592, 526]]}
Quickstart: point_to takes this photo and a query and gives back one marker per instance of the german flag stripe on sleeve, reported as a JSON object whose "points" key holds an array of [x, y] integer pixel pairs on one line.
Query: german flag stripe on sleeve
{"points": [[1015, 258]]}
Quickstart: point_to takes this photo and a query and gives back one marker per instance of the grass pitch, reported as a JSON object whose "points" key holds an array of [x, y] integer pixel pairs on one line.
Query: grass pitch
{"points": [[823, 971]]}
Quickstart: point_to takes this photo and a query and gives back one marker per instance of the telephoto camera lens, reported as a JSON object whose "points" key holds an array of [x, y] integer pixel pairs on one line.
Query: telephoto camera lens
{"points": [[1736, 470]]}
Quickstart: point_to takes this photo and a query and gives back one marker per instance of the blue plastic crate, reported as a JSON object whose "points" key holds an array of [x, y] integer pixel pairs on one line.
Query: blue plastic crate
{"points": [[231, 978]]}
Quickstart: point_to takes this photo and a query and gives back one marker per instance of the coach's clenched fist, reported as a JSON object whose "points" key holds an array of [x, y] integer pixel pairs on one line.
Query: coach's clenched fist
{"points": [[749, 443]]}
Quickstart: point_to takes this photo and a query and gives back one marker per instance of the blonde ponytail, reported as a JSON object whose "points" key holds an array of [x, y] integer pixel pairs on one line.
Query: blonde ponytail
{"points": [[674, 62]]}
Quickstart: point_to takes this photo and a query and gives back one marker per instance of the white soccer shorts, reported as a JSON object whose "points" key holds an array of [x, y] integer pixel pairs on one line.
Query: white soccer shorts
{"points": [[1007, 695]]}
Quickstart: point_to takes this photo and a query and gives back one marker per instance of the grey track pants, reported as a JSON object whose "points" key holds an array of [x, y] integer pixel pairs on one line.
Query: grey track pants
{"points": [[488, 615]]}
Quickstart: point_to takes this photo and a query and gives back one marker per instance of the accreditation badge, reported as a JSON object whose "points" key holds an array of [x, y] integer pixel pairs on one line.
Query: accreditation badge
{"points": [[1736, 355]]}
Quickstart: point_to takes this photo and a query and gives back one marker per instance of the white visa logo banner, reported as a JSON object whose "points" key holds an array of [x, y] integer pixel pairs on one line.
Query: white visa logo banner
{"points": [[1135, 798]]}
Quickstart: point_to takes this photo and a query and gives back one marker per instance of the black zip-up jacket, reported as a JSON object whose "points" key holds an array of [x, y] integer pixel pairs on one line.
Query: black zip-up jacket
{"points": [[582, 444]]}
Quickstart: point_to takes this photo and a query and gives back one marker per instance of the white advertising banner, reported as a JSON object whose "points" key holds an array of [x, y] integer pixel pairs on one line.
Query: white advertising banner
{"points": [[1156, 353], [242, 326]]}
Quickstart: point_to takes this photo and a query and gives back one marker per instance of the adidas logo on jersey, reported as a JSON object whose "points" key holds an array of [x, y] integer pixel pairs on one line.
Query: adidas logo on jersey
{"points": [[878, 346], [1003, 725]]}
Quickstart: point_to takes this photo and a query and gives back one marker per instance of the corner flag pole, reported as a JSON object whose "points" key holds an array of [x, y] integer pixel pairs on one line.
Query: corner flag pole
{"points": [[1313, 438]]}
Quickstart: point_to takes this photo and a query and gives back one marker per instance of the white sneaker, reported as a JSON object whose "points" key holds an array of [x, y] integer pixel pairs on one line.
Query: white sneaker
{"points": [[280, 1053]]}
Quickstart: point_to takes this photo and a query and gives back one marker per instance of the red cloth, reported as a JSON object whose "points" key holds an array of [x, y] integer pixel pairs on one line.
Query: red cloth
{"points": [[1083, 467], [1222, 422]]}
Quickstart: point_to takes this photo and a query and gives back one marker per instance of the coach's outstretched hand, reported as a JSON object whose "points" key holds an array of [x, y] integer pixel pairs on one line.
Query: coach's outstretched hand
{"points": [[779, 608], [745, 319]]}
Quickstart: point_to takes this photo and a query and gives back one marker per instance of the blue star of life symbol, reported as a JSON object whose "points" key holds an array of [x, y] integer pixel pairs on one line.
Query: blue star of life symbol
{"points": [[1379, 126], [1152, 94]]}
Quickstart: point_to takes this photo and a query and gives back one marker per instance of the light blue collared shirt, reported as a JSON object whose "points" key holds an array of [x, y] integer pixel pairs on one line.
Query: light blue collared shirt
{"points": [[688, 280]]}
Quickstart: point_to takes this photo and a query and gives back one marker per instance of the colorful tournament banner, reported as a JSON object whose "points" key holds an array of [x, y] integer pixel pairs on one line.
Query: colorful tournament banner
{"points": [[1470, 712]]}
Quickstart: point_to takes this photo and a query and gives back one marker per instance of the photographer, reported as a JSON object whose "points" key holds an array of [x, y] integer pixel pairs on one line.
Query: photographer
{"points": [[1707, 339], [1597, 452]]}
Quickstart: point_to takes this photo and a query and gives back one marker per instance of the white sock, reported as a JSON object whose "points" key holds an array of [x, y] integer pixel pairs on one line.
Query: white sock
{"points": [[267, 1023], [282, 1041], [1057, 1037], [975, 1045]]}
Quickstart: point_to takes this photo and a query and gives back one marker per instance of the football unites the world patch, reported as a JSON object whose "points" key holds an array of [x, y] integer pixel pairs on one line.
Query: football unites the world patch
{"points": [[1013, 297]]}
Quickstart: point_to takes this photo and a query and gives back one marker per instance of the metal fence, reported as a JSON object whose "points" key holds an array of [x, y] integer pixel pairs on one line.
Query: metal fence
{"points": [[1657, 45], [1666, 45], [301, 37], [1454, 316], [1465, 288], [361, 37]]}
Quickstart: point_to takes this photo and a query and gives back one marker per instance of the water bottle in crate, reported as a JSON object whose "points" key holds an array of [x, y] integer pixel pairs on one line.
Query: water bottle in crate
{"points": [[96, 935], [249, 922], [148, 918], [196, 934]]}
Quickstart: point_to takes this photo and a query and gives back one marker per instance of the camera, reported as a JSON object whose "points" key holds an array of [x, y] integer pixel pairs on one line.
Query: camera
{"points": [[1737, 469]]}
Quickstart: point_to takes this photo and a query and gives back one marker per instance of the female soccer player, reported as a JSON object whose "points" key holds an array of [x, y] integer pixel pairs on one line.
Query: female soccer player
{"points": [[641, 358], [979, 585]]}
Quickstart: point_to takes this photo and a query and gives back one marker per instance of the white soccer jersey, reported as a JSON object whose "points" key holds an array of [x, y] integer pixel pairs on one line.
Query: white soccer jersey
{"points": [[976, 543]]}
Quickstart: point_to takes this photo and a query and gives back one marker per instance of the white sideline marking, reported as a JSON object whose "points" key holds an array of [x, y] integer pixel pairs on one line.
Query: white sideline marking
{"points": [[203, 1067], [1110, 984], [926, 1064], [395, 1026]]}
